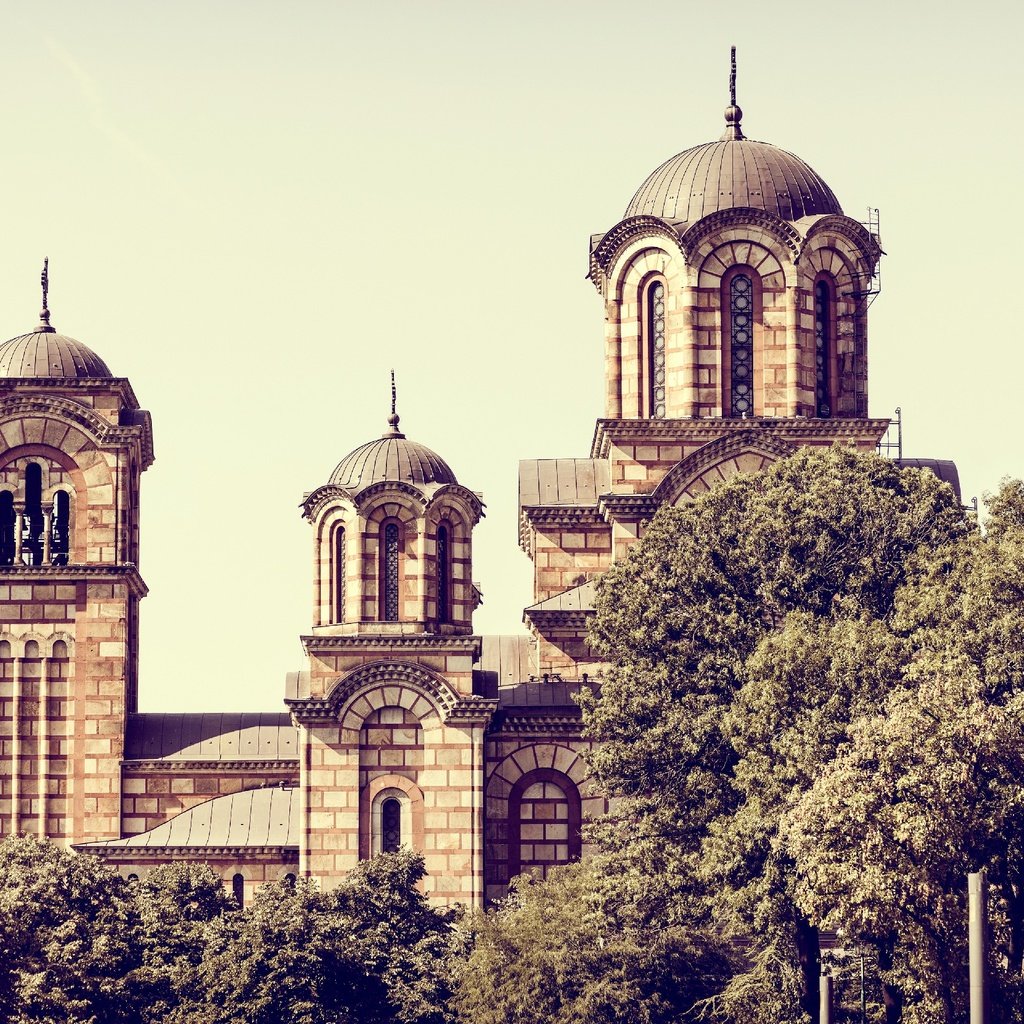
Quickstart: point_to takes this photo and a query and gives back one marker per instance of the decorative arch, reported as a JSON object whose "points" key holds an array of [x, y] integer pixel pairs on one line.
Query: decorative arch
{"points": [[371, 801], [740, 224], [382, 683], [725, 256], [746, 451], [545, 814]]}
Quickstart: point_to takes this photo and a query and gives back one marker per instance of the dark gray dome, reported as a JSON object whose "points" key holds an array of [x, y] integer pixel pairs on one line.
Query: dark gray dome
{"points": [[730, 173], [392, 457], [45, 353]]}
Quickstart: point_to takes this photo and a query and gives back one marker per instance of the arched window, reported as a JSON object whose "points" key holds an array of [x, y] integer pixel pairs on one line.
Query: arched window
{"points": [[655, 331], [391, 536], [544, 813], [390, 826], [390, 822], [823, 348], [132, 877], [741, 345], [60, 529], [8, 519], [444, 574], [32, 533], [289, 880], [339, 575], [238, 889]]}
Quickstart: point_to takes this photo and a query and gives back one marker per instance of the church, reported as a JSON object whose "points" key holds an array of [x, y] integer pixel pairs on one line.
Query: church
{"points": [[735, 294]]}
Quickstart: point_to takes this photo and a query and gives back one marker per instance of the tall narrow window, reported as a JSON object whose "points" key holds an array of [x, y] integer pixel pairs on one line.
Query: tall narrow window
{"points": [[741, 346], [389, 573], [443, 575], [391, 826], [656, 348], [32, 533], [339, 574], [60, 530], [238, 889], [822, 349], [8, 519]]}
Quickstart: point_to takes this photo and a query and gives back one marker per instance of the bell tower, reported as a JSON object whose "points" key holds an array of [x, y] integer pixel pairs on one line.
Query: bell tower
{"points": [[391, 730], [73, 446]]}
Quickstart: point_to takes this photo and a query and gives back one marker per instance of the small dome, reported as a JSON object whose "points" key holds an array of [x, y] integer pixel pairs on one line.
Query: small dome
{"points": [[733, 172], [392, 457], [45, 353]]}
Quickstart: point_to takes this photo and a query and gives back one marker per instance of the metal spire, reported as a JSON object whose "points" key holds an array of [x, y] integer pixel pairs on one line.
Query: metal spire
{"points": [[44, 315], [393, 430], [733, 114]]}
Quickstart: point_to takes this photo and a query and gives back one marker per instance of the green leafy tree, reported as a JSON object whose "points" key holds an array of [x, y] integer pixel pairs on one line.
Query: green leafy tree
{"points": [[368, 952], [69, 933], [745, 631], [572, 950]]}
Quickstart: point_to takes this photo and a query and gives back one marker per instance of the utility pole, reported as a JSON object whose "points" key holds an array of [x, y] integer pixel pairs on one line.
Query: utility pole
{"points": [[827, 990], [977, 923]]}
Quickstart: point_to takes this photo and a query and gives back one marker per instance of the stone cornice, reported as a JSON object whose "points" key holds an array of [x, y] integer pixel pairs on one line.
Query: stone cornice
{"points": [[627, 506], [288, 853], [415, 641], [472, 711], [119, 384], [228, 765], [547, 622], [568, 516], [127, 573], [797, 429], [783, 231], [521, 722]]}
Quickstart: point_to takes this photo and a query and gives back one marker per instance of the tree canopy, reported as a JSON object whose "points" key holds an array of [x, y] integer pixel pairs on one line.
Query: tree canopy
{"points": [[776, 647]]}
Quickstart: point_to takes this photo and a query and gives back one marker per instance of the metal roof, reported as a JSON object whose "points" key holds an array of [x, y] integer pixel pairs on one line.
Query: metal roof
{"points": [[504, 661], [944, 469], [563, 481], [576, 599], [392, 457], [543, 695], [253, 817], [211, 737], [44, 353], [733, 173]]}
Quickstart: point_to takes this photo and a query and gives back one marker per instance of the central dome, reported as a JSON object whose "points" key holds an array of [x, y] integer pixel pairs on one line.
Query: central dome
{"points": [[730, 173], [392, 457]]}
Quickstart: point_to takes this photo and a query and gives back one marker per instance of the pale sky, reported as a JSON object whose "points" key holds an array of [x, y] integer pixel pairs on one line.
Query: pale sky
{"points": [[253, 210]]}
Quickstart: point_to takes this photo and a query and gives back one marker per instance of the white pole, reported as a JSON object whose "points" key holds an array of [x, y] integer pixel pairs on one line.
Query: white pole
{"points": [[977, 904]]}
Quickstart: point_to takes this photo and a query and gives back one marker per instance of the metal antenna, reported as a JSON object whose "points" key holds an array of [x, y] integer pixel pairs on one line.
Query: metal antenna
{"points": [[44, 280]]}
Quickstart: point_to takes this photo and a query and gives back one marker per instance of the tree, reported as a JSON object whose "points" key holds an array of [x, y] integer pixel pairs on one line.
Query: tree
{"points": [[571, 950], [745, 631], [369, 952], [69, 932]]}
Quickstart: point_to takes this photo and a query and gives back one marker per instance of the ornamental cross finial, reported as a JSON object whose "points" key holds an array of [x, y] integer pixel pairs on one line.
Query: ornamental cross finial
{"points": [[393, 430], [44, 280], [733, 115]]}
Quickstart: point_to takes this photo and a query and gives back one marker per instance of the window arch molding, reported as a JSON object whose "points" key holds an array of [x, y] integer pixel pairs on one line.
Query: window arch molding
{"points": [[515, 806], [371, 803], [652, 334], [731, 340], [826, 364]]}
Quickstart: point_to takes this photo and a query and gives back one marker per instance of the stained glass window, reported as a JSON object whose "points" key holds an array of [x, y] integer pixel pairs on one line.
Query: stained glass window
{"points": [[339, 575], [390, 573], [656, 344], [443, 581], [391, 826], [741, 341], [822, 348], [60, 529]]}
